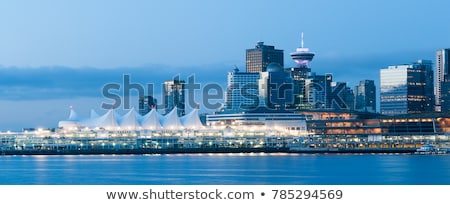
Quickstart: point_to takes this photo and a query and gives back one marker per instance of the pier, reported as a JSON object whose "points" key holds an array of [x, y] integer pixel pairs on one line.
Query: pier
{"points": [[134, 143]]}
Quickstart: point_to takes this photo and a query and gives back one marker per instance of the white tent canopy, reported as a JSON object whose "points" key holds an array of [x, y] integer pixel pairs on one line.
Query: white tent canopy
{"points": [[132, 120], [171, 120], [151, 121], [108, 120], [73, 116], [192, 120]]}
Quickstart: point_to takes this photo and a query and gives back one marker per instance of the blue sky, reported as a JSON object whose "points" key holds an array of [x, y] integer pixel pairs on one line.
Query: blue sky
{"points": [[54, 54]]}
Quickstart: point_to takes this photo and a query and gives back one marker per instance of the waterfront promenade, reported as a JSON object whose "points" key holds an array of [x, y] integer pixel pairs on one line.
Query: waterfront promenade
{"points": [[132, 143]]}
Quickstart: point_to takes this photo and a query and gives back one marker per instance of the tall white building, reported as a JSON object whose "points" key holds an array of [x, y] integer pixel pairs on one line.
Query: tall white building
{"points": [[442, 72]]}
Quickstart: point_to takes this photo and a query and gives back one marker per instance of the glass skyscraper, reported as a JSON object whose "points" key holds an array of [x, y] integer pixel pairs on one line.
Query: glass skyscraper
{"points": [[275, 88], [242, 91], [146, 104], [365, 96], [258, 58], [342, 96], [174, 96], [407, 88], [318, 91]]}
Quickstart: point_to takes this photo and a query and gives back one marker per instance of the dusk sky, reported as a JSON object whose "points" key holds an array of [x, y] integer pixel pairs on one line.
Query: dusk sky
{"points": [[56, 54]]}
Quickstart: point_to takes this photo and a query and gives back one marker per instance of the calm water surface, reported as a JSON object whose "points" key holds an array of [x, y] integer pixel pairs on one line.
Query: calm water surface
{"points": [[235, 169]]}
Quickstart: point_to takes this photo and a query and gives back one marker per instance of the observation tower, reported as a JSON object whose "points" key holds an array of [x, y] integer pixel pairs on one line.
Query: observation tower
{"points": [[302, 56]]}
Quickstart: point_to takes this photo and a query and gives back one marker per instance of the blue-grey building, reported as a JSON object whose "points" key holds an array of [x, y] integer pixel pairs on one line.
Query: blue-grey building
{"points": [[365, 96], [318, 91], [275, 88], [341, 97], [146, 104]]}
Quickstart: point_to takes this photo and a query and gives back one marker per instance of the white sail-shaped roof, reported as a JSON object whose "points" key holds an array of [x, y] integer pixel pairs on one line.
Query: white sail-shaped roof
{"points": [[108, 120], [72, 122], [191, 120], [130, 120], [151, 121], [171, 120], [73, 116], [94, 114]]}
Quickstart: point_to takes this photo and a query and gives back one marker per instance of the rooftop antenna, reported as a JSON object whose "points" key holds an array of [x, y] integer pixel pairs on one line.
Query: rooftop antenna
{"points": [[302, 40]]}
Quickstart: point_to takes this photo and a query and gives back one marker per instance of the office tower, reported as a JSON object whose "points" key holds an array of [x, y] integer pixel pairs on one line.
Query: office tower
{"points": [[442, 72], [242, 91], [407, 88], [445, 96], [318, 91], [302, 56], [365, 96], [258, 58], [146, 104], [349, 98], [341, 96], [275, 88], [174, 96]]}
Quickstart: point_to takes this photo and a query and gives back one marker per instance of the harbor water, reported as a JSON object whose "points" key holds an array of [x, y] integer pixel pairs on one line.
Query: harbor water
{"points": [[227, 169]]}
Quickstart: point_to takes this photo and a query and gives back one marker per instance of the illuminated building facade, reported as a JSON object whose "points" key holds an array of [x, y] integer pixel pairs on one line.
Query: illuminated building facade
{"points": [[407, 88]]}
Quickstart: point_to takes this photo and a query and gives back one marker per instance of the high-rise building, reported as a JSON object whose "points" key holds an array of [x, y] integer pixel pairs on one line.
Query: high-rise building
{"points": [[146, 104], [302, 57], [174, 96], [341, 97], [258, 58], [349, 98], [275, 88], [318, 91], [445, 96], [365, 96], [242, 91], [442, 76], [407, 88]]}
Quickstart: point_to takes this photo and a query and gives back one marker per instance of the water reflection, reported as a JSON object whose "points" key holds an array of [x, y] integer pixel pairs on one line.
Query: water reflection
{"points": [[226, 169]]}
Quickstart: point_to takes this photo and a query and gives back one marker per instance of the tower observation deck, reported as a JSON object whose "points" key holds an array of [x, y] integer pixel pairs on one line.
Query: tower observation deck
{"points": [[302, 56]]}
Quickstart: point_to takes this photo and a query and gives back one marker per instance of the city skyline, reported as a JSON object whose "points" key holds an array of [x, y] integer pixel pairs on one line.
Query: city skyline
{"points": [[160, 80], [55, 54]]}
